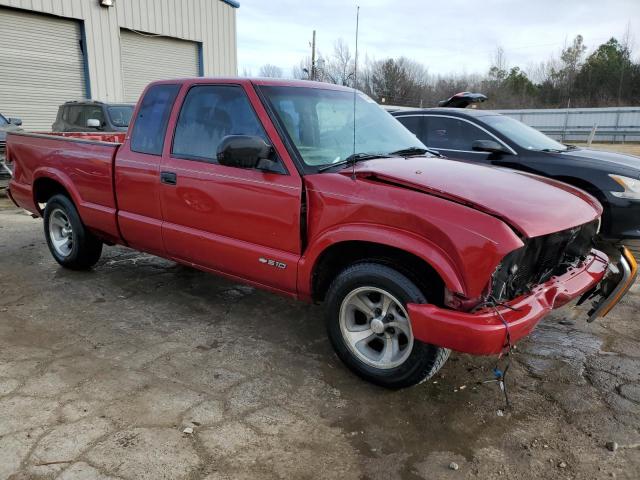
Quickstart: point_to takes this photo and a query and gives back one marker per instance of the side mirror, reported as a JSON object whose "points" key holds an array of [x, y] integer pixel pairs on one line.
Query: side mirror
{"points": [[93, 123], [242, 151], [490, 146], [15, 121]]}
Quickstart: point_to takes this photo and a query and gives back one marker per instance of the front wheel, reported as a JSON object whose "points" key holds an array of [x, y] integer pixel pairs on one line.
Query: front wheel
{"points": [[69, 241], [370, 330]]}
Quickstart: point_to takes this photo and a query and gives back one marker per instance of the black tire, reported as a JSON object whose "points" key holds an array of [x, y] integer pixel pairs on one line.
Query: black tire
{"points": [[85, 249], [422, 362]]}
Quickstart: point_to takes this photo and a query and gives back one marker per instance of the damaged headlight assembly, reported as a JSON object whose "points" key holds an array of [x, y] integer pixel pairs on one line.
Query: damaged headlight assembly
{"points": [[631, 187]]}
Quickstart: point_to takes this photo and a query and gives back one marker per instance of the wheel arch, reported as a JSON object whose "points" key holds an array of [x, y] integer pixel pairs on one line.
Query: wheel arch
{"points": [[592, 190], [47, 183], [421, 260]]}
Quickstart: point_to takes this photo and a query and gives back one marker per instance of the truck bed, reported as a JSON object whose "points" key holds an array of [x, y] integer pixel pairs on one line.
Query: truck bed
{"points": [[81, 162]]}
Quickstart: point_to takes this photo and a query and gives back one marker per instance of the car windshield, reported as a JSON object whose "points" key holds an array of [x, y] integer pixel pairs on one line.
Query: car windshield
{"points": [[320, 124], [120, 115], [3, 121], [524, 135]]}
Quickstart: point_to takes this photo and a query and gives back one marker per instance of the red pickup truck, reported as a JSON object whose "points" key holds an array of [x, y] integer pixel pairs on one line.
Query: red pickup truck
{"points": [[313, 191]]}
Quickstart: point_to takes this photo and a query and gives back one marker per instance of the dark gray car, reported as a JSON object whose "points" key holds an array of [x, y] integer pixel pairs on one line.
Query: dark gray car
{"points": [[93, 116], [6, 125]]}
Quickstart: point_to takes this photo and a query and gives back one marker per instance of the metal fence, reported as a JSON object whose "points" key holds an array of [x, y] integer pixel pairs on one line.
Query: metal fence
{"points": [[614, 124]]}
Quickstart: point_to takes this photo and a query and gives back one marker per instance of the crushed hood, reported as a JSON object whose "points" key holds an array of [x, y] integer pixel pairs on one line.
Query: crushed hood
{"points": [[530, 204]]}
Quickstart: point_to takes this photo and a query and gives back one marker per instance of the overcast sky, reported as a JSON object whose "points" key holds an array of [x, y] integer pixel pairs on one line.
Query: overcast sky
{"points": [[447, 35]]}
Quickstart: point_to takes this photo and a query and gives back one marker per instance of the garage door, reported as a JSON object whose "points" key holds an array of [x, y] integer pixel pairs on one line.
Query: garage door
{"points": [[146, 58], [41, 66]]}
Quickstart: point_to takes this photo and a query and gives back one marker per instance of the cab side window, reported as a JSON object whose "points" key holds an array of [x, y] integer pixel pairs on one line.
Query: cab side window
{"points": [[452, 134], [210, 113], [151, 122]]}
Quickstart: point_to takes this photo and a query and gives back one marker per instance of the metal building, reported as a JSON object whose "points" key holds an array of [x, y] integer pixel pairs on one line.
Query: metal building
{"points": [[54, 51]]}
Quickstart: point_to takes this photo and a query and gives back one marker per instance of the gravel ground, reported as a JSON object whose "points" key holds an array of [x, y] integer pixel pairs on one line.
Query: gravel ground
{"points": [[102, 371]]}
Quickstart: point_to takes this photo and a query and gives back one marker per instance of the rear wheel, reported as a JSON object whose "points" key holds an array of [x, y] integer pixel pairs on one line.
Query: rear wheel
{"points": [[370, 329], [69, 241]]}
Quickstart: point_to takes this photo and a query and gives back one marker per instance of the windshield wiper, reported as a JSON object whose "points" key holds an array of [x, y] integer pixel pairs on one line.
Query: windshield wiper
{"points": [[353, 159], [410, 151], [552, 150]]}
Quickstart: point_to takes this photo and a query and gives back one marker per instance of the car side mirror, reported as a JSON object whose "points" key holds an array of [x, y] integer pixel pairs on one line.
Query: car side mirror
{"points": [[490, 146], [242, 151], [93, 123], [15, 121]]}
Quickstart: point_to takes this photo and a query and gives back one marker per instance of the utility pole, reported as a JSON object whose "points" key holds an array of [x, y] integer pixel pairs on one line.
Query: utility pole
{"points": [[313, 56]]}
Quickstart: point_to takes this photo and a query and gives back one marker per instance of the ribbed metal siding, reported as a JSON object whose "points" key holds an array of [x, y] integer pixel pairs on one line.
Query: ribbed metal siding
{"points": [[148, 58], [210, 22], [41, 66], [575, 124]]}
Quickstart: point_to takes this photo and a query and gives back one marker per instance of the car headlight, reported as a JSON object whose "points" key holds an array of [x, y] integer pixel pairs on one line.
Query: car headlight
{"points": [[631, 187]]}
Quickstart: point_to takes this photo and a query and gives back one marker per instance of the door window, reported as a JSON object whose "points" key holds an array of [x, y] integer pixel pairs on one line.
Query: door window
{"points": [[210, 113], [452, 134], [151, 122], [415, 125]]}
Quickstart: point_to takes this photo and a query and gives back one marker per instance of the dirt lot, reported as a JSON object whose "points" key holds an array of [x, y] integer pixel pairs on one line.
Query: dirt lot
{"points": [[101, 372]]}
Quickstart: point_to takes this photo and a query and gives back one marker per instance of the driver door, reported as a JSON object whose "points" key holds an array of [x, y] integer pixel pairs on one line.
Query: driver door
{"points": [[240, 222]]}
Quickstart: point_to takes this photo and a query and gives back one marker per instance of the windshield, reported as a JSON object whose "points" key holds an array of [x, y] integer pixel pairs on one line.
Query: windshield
{"points": [[3, 121], [120, 115], [524, 135], [320, 124]]}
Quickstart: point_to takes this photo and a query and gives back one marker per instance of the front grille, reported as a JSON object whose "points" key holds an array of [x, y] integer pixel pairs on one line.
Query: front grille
{"points": [[540, 259]]}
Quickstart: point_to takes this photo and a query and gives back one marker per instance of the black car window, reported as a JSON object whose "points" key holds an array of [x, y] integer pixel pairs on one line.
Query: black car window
{"points": [[415, 124], [452, 133], [210, 113], [151, 122]]}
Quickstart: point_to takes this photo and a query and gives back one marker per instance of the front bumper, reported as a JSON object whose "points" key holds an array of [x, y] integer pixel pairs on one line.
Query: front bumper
{"points": [[484, 333]]}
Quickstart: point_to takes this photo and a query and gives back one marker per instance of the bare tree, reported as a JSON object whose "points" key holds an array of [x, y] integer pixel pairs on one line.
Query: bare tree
{"points": [[609, 76], [499, 65], [340, 67], [270, 71]]}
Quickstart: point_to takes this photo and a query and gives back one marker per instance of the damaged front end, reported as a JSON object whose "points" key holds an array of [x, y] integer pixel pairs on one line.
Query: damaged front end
{"points": [[545, 257], [617, 281], [540, 259]]}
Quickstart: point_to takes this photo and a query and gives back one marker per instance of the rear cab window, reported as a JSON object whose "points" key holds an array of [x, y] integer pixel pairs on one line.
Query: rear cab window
{"points": [[152, 118]]}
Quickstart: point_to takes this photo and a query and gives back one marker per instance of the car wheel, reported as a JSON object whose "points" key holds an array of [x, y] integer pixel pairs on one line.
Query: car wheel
{"points": [[370, 330], [70, 243]]}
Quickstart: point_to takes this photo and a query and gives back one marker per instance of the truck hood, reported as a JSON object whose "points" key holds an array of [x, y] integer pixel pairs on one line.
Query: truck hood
{"points": [[530, 204]]}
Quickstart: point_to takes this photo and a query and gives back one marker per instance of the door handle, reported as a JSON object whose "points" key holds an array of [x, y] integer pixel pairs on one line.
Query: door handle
{"points": [[170, 178]]}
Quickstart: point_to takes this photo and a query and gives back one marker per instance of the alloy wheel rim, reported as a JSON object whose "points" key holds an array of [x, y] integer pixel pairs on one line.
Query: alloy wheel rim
{"points": [[60, 233], [375, 327]]}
